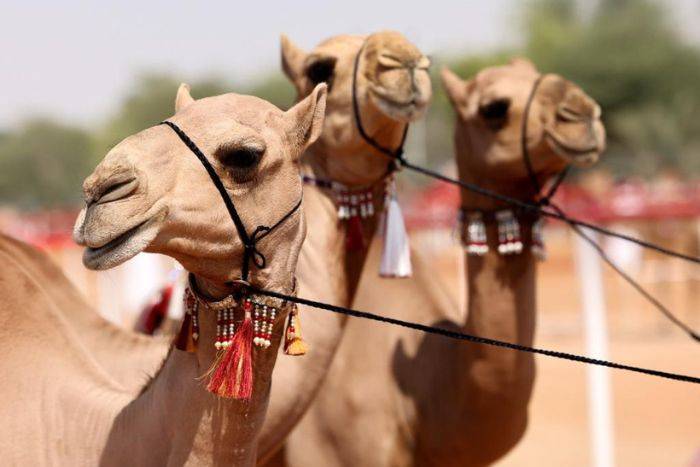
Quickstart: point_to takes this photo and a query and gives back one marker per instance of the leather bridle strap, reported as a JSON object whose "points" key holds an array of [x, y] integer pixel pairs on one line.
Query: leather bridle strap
{"points": [[395, 154], [536, 187], [250, 253]]}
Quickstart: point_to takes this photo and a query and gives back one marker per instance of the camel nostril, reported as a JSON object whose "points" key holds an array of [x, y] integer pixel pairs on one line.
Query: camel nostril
{"points": [[117, 190]]}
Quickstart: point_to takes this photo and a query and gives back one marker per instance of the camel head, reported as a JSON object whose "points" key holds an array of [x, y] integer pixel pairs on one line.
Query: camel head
{"points": [[392, 89], [563, 126], [151, 193]]}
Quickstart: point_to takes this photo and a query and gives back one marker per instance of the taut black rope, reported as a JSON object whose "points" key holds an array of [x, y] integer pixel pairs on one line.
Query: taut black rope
{"points": [[477, 339], [638, 287], [401, 161], [546, 201], [540, 202], [250, 253], [546, 212]]}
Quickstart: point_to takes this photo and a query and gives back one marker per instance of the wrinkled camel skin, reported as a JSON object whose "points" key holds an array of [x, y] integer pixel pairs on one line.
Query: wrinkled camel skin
{"points": [[393, 89], [394, 397], [150, 193]]}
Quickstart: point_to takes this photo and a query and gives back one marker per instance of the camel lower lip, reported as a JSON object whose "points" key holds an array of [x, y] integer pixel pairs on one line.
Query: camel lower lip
{"points": [[411, 104], [404, 105], [94, 257], [572, 152]]}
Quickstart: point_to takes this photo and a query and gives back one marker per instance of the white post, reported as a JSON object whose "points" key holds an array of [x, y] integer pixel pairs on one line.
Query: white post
{"points": [[596, 333]]}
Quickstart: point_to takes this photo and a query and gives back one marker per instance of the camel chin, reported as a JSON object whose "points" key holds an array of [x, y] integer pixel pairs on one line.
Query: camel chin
{"points": [[122, 247], [581, 155], [405, 112]]}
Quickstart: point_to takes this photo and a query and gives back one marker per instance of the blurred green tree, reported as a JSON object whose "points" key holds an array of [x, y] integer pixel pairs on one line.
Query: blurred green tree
{"points": [[274, 87], [627, 55], [151, 101], [43, 163]]}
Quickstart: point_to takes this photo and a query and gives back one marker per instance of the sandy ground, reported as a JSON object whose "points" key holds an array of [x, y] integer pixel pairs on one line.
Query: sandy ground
{"points": [[657, 422]]}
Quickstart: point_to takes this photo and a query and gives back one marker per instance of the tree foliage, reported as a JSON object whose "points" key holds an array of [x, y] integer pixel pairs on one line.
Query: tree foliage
{"points": [[624, 53], [151, 101], [630, 58], [43, 163]]}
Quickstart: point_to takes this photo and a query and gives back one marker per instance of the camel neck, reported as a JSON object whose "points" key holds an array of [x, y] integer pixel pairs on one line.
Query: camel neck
{"points": [[327, 236], [177, 418], [327, 272], [501, 301]]}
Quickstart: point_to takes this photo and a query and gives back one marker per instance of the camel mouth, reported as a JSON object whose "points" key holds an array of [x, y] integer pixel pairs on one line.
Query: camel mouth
{"points": [[122, 247], [405, 110], [583, 155]]}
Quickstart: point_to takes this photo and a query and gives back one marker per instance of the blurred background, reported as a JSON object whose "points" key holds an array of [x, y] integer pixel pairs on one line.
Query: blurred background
{"points": [[77, 77]]}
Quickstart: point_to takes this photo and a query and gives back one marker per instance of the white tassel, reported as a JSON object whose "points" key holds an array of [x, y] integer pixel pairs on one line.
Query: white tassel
{"points": [[538, 248], [396, 255]]}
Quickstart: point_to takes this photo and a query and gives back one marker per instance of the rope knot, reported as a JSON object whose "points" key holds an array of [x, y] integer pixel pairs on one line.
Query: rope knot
{"points": [[251, 248]]}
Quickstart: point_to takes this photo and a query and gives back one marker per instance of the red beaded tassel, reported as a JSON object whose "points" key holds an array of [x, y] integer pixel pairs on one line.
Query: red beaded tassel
{"points": [[188, 336], [233, 375], [263, 322], [355, 238]]}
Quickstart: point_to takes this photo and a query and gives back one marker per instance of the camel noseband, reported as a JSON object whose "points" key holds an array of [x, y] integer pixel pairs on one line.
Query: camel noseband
{"points": [[250, 252]]}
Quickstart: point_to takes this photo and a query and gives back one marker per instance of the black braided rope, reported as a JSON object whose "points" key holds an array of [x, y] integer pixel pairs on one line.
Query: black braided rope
{"points": [[523, 137], [541, 202], [641, 290], [250, 252], [396, 153], [547, 213], [477, 339]]}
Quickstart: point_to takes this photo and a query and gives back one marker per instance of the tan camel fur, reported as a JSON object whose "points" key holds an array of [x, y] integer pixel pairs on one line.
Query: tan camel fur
{"points": [[394, 397], [150, 193], [393, 89]]}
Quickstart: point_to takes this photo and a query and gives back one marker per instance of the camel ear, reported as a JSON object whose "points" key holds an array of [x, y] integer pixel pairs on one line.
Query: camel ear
{"points": [[183, 98], [292, 59], [305, 119], [456, 90], [454, 86], [522, 62]]}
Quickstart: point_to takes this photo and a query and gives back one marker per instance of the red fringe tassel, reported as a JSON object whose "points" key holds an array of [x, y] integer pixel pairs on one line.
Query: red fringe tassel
{"points": [[233, 376], [354, 237]]}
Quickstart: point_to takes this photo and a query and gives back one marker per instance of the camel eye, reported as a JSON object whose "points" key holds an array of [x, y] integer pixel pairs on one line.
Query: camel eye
{"points": [[321, 71], [241, 162], [495, 112]]}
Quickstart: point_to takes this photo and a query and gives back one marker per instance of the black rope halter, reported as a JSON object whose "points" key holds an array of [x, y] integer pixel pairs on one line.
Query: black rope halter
{"points": [[536, 187], [395, 154], [250, 252]]}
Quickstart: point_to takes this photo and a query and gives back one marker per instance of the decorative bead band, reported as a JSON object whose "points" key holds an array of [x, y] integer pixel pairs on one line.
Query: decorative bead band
{"points": [[510, 238], [350, 202]]}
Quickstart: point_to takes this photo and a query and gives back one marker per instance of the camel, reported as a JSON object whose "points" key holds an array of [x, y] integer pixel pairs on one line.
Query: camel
{"points": [[150, 193], [393, 88], [403, 398]]}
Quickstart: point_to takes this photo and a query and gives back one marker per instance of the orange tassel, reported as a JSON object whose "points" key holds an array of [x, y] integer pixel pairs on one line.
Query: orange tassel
{"points": [[233, 375], [294, 344]]}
